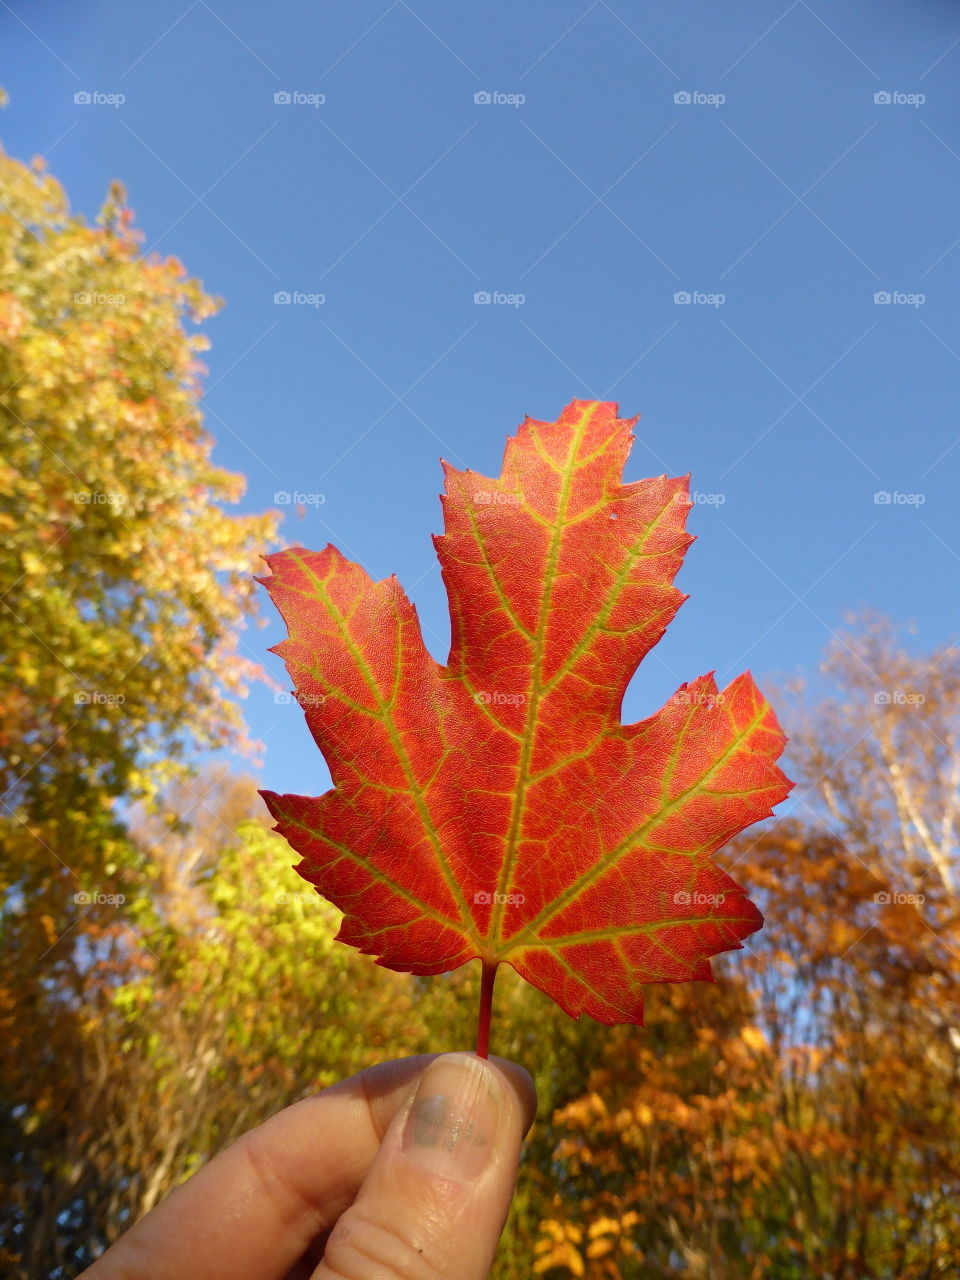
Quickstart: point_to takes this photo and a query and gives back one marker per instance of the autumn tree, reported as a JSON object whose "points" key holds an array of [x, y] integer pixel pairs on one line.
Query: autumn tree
{"points": [[124, 583], [865, 943], [231, 1004], [805, 1120], [123, 579]]}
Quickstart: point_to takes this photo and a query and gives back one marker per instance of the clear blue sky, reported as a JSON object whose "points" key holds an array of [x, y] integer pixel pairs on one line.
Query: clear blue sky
{"points": [[798, 198]]}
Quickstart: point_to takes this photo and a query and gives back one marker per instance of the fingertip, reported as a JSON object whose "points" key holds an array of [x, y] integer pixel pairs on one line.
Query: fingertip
{"points": [[521, 1082], [402, 1075]]}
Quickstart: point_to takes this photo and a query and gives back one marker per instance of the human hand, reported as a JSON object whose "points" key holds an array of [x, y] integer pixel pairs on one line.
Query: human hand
{"points": [[403, 1172]]}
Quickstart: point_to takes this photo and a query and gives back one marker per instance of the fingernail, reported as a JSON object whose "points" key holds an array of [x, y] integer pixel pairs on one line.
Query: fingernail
{"points": [[453, 1122]]}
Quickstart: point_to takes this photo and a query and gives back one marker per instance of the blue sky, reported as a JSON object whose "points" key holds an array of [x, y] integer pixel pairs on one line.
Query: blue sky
{"points": [[781, 195]]}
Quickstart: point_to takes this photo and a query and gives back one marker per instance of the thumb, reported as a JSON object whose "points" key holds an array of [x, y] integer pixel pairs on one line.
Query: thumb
{"points": [[435, 1199]]}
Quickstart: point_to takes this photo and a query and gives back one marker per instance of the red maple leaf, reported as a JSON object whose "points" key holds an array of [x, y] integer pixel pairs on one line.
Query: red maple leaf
{"points": [[496, 807]]}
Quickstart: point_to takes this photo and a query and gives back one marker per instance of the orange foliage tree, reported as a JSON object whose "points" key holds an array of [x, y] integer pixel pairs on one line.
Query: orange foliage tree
{"points": [[804, 1121], [124, 582]]}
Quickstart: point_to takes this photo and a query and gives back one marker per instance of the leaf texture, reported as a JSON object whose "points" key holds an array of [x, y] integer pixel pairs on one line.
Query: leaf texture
{"points": [[496, 807]]}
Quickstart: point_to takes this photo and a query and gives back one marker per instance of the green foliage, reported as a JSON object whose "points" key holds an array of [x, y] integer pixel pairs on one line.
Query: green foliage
{"points": [[124, 584], [122, 579]]}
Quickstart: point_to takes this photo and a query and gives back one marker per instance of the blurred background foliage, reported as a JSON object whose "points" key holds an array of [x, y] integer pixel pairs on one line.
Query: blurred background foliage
{"points": [[168, 981]]}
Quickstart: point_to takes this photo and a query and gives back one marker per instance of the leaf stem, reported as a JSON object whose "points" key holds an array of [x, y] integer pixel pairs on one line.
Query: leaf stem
{"points": [[488, 974]]}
